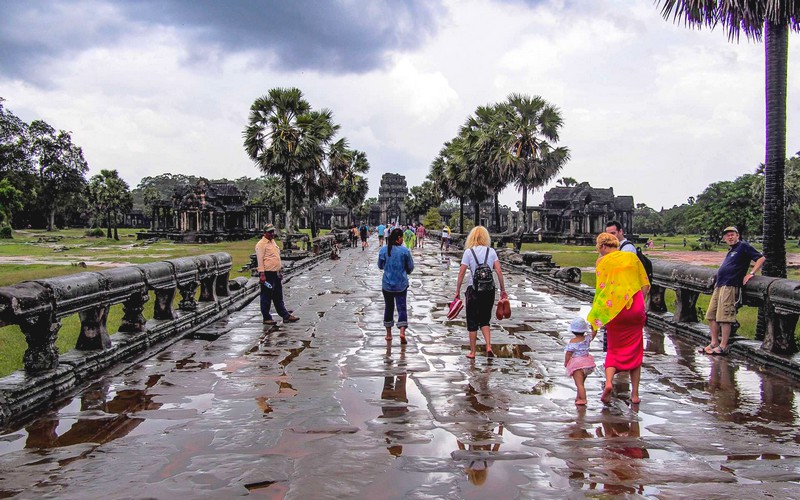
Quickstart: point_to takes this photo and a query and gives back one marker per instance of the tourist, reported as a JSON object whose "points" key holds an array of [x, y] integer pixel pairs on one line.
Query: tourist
{"points": [[388, 230], [421, 235], [732, 275], [268, 258], [445, 238], [353, 235], [381, 229], [363, 231], [480, 295], [396, 263], [409, 237], [614, 228], [620, 290], [577, 360]]}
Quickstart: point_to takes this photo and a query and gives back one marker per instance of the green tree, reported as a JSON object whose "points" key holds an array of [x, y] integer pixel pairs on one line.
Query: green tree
{"points": [[647, 220], [60, 167], [567, 181], [773, 19], [10, 201], [433, 219], [531, 128], [422, 198], [277, 138], [727, 203], [110, 195], [352, 185]]}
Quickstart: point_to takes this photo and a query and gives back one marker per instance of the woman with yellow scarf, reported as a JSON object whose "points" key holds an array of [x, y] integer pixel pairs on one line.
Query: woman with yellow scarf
{"points": [[620, 290]]}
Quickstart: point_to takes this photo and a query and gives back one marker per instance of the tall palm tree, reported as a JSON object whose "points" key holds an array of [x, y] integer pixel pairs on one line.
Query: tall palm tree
{"points": [[451, 173], [482, 139], [110, 194], [274, 134], [353, 187], [773, 19], [316, 178], [532, 124]]}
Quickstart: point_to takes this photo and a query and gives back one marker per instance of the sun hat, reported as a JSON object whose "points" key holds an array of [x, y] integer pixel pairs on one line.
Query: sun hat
{"points": [[269, 228], [730, 229], [455, 307], [579, 325]]}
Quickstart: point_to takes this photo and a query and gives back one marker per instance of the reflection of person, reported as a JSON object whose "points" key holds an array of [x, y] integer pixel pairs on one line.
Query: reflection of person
{"points": [[268, 257], [731, 276], [625, 430], [396, 262], [577, 360], [619, 306], [479, 303], [478, 469]]}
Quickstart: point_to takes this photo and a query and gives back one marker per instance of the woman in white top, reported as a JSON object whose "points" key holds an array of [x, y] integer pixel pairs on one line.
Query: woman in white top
{"points": [[479, 303]]}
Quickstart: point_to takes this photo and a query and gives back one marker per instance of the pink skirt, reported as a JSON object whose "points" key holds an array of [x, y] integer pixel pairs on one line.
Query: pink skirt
{"points": [[585, 363]]}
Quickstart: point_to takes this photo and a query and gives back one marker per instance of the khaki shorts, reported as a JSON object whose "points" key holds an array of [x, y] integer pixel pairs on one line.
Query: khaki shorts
{"points": [[722, 307]]}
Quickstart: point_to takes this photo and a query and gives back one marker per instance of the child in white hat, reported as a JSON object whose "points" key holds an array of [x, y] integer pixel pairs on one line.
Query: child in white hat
{"points": [[577, 360]]}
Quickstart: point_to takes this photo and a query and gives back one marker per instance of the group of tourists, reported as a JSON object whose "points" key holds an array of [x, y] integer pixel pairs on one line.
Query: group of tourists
{"points": [[622, 286]]}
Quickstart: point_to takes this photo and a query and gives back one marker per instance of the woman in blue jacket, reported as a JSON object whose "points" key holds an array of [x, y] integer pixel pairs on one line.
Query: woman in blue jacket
{"points": [[396, 262]]}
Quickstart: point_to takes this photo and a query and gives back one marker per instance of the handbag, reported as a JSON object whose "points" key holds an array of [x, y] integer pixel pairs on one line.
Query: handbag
{"points": [[455, 308]]}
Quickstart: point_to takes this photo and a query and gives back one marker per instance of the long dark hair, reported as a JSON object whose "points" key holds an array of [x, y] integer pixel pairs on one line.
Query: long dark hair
{"points": [[396, 233]]}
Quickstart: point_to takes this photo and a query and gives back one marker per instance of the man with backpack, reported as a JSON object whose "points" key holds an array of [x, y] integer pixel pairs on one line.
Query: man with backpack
{"points": [[614, 228]]}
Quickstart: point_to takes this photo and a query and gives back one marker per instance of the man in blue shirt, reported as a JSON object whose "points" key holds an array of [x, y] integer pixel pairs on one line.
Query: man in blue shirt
{"points": [[732, 275], [381, 230]]}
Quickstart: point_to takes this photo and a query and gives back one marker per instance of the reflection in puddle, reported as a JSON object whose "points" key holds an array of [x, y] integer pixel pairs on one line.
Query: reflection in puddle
{"points": [[509, 351]]}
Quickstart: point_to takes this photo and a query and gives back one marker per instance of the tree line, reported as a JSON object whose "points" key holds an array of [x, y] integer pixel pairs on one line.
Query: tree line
{"points": [[739, 202]]}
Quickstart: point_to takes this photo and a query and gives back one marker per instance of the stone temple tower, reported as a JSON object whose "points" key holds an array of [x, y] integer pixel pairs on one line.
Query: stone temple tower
{"points": [[392, 198]]}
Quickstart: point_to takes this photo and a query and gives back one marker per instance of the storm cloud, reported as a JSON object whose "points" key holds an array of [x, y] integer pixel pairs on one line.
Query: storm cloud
{"points": [[329, 37]]}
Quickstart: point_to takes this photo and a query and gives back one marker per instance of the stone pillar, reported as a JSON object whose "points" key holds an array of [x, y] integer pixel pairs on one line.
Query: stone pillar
{"points": [[655, 300], [93, 335], [685, 306], [133, 320], [40, 334], [162, 308], [187, 291]]}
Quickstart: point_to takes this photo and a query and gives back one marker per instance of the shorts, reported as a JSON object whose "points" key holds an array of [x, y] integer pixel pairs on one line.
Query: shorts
{"points": [[722, 307], [479, 308]]}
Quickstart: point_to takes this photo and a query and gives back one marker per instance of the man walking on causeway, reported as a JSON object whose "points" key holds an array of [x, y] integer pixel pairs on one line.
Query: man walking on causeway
{"points": [[268, 257], [732, 275]]}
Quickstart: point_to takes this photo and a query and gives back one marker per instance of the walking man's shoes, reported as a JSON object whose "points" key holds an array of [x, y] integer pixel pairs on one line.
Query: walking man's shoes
{"points": [[291, 319], [270, 322]]}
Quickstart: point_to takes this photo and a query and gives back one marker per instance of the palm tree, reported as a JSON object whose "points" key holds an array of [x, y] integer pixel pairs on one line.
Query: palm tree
{"points": [[352, 186], [316, 179], [274, 136], [530, 123], [110, 195], [450, 173], [773, 19], [482, 140]]}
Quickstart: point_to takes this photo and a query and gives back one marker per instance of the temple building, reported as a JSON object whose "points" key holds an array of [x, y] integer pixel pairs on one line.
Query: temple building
{"points": [[580, 212], [392, 199]]}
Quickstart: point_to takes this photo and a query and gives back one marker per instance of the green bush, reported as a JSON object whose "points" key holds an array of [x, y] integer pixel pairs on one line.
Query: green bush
{"points": [[694, 246], [97, 232], [5, 233]]}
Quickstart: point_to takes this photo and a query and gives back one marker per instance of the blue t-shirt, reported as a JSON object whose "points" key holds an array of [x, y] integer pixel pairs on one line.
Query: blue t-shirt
{"points": [[381, 230], [396, 267], [736, 264]]}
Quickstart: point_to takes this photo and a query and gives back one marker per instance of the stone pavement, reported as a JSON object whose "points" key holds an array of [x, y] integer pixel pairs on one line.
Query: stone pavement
{"points": [[324, 408]]}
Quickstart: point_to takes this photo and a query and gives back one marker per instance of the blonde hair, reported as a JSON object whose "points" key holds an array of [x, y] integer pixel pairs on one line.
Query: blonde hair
{"points": [[479, 236], [608, 240]]}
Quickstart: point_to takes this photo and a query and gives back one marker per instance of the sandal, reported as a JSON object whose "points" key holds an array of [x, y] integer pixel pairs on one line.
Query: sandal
{"points": [[708, 349], [720, 351]]}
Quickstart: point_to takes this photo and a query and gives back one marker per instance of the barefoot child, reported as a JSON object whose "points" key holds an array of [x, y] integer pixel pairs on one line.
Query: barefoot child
{"points": [[577, 360]]}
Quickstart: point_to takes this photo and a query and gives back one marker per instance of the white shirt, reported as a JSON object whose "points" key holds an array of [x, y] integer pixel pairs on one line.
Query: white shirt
{"points": [[480, 252]]}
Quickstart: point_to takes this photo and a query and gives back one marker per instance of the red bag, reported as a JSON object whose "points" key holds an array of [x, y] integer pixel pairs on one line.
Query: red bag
{"points": [[455, 308]]}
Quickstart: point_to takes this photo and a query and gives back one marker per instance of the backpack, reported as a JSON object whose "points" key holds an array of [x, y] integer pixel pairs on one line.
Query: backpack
{"points": [[482, 279], [646, 263]]}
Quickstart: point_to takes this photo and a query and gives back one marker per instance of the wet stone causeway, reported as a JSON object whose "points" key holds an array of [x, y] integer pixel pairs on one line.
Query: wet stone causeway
{"points": [[325, 408]]}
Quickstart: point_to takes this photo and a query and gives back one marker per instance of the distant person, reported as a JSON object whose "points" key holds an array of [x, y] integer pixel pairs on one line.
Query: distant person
{"points": [[381, 229], [270, 278], [421, 235], [363, 232], [353, 235], [480, 294], [732, 275], [577, 360], [620, 290], [409, 237], [445, 238], [684, 242], [614, 228], [396, 263]]}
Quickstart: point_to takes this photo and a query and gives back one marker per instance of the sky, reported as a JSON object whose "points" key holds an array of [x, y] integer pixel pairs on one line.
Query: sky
{"points": [[651, 108]]}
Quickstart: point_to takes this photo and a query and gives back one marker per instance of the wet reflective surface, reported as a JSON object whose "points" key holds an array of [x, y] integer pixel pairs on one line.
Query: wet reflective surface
{"points": [[324, 408]]}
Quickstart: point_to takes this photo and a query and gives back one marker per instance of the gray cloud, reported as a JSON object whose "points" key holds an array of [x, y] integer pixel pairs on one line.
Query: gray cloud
{"points": [[331, 37]]}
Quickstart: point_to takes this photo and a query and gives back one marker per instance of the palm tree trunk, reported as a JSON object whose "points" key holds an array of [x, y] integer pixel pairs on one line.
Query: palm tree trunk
{"points": [[476, 213], [51, 219], [461, 215], [313, 222], [497, 212], [524, 209], [116, 233], [776, 51], [108, 224], [288, 226]]}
